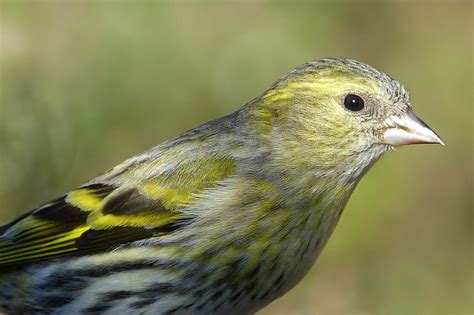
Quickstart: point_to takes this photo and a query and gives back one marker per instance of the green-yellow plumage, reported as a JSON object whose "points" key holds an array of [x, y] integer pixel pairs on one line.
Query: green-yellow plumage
{"points": [[224, 218]]}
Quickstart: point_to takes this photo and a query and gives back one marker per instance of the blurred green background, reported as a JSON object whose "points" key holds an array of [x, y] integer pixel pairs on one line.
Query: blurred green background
{"points": [[86, 84]]}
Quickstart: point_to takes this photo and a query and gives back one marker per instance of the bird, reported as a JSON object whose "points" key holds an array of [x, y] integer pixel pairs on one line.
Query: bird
{"points": [[222, 219]]}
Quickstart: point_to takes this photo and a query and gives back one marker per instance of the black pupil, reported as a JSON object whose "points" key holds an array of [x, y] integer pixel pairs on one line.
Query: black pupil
{"points": [[354, 103]]}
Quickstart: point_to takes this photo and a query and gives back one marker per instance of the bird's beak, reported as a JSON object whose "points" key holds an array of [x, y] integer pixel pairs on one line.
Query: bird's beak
{"points": [[408, 129]]}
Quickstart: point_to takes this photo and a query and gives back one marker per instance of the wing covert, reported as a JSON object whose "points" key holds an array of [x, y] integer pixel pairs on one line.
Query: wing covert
{"points": [[77, 223], [134, 204]]}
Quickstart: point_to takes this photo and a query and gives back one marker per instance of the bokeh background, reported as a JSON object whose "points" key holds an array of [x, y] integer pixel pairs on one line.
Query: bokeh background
{"points": [[86, 84]]}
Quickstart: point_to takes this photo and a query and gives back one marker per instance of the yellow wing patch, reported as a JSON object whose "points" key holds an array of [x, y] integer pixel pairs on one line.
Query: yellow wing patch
{"points": [[50, 245], [75, 223], [100, 216]]}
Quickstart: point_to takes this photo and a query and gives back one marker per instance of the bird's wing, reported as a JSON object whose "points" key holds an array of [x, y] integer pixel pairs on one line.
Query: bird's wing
{"points": [[87, 219], [99, 216]]}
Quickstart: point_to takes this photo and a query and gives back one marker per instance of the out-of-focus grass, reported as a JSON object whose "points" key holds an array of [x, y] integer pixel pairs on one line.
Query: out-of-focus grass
{"points": [[87, 84]]}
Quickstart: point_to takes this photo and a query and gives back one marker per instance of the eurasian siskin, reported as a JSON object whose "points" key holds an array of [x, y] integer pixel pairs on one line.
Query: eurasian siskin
{"points": [[222, 219]]}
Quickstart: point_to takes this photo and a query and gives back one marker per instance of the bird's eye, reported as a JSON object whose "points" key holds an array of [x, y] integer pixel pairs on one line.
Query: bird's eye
{"points": [[354, 102]]}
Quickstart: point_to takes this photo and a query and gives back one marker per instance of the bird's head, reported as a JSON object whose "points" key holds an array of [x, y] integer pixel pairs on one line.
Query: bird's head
{"points": [[338, 116]]}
